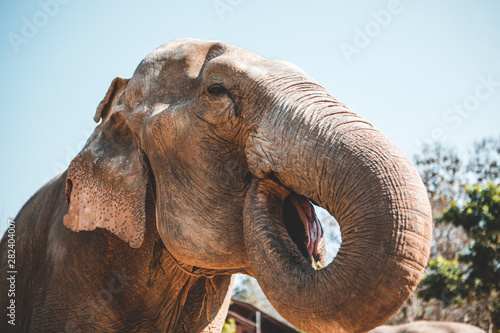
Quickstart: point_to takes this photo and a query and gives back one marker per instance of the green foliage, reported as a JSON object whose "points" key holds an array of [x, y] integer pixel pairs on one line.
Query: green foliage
{"points": [[229, 326], [444, 282], [480, 218]]}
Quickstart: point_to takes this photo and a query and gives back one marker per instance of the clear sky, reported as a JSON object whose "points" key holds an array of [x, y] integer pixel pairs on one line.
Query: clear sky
{"points": [[418, 70]]}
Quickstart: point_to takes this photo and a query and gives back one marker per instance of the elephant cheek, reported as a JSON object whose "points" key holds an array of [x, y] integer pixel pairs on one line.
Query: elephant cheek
{"points": [[192, 241]]}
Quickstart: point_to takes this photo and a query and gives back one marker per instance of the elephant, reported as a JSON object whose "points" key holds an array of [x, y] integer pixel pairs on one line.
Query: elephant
{"points": [[428, 327], [206, 163]]}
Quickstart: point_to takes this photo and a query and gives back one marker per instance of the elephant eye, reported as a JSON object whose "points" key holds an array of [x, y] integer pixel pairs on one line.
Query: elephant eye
{"points": [[216, 90]]}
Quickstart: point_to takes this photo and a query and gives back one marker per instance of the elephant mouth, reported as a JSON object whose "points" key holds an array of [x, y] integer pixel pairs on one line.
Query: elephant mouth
{"points": [[305, 229]]}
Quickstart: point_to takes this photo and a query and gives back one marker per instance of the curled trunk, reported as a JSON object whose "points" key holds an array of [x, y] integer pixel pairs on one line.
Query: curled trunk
{"points": [[337, 159]]}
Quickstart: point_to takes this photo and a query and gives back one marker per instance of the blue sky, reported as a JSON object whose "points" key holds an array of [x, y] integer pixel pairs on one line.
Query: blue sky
{"points": [[418, 70]]}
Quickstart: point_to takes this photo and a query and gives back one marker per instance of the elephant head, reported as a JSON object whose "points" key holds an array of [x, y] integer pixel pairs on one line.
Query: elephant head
{"points": [[236, 147]]}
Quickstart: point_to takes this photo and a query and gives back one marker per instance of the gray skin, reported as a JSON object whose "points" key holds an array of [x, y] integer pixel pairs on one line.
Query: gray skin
{"points": [[429, 327], [191, 176]]}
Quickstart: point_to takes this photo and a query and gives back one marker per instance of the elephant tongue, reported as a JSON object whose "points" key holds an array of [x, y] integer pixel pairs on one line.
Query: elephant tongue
{"points": [[311, 224]]}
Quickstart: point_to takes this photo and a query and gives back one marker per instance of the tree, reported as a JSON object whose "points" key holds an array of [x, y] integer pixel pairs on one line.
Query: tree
{"points": [[485, 163], [444, 282], [442, 286], [443, 173], [229, 326], [480, 218]]}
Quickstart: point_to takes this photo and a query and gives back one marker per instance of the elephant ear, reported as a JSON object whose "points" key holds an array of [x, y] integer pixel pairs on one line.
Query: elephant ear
{"points": [[106, 182]]}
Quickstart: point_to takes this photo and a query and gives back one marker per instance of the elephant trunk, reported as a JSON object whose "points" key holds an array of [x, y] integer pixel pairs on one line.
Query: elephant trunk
{"points": [[325, 152]]}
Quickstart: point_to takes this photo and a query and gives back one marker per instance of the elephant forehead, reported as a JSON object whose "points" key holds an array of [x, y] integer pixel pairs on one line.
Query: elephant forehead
{"points": [[184, 55], [190, 56], [172, 71]]}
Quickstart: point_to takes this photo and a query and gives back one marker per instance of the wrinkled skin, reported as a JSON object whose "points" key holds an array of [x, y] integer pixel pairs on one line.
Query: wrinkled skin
{"points": [[429, 326], [201, 167]]}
